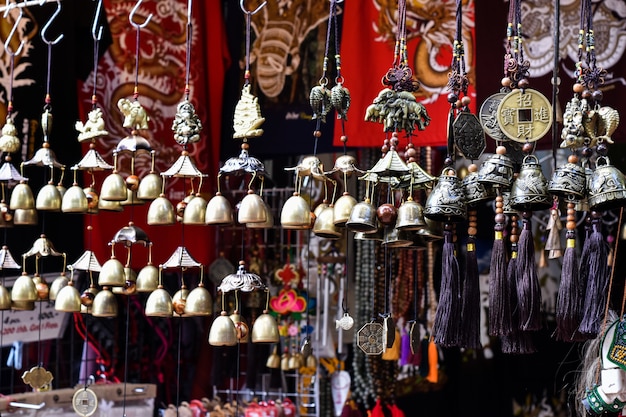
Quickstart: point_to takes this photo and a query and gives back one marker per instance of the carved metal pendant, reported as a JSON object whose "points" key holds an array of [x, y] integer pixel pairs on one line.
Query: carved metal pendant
{"points": [[469, 136], [38, 378], [370, 339], [85, 402], [389, 331], [488, 115], [525, 115]]}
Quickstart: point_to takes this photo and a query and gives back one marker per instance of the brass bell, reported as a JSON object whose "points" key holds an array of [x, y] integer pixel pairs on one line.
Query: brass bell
{"points": [[109, 205], [273, 361], [321, 206], [240, 326], [363, 217], [113, 188], [296, 213], [410, 215], [324, 225], [343, 208], [251, 209], [150, 187], [112, 273], [284, 361], [269, 219], [74, 200], [48, 198], [5, 298], [296, 361], [497, 170], [265, 329], [530, 189], [68, 299], [432, 232], [199, 302], [311, 362], [607, 186], [159, 303], [24, 289], [195, 211], [22, 305], [62, 190], [22, 197], [446, 201], [161, 212], [104, 304], [219, 211], [223, 331], [56, 286], [147, 279], [474, 190], [25, 217], [377, 235], [569, 180], [395, 238]]}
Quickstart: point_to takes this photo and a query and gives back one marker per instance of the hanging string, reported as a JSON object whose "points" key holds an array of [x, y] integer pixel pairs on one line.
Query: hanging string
{"points": [[188, 51], [96, 53], [248, 32], [126, 354]]}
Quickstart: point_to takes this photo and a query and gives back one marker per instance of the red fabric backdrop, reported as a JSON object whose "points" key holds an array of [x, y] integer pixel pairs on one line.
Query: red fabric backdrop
{"points": [[368, 38]]}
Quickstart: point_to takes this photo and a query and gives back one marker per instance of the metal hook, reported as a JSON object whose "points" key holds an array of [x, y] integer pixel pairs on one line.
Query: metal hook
{"points": [[94, 27], [47, 25], [7, 47], [131, 17], [243, 9]]}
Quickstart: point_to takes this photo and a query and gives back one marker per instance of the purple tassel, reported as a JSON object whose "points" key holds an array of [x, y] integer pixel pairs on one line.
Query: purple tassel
{"points": [[446, 327], [515, 341], [570, 299], [598, 279], [528, 289], [470, 331], [497, 281]]}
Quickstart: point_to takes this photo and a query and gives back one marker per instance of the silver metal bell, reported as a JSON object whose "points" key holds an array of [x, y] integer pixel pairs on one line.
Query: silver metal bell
{"points": [[606, 187], [497, 170], [569, 180], [446, 201], [530, 189]]}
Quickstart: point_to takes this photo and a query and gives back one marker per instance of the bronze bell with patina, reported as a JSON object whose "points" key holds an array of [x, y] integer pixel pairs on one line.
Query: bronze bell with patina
{"points": [[497, 170], [569, 180], [446, 201], [530, 189], [606, 187]]}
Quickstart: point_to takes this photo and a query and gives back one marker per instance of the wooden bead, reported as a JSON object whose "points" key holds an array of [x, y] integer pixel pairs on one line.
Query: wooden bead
{"points": [[317, 133], [499, 204], [570, 225], [514, 238], [466, 101], [572, 159], [505, 82], [501, 150], [578, 88], [472, 231]]}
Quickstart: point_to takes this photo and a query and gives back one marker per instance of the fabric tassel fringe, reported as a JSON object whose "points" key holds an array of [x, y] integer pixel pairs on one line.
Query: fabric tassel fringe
{"points": [[446, 327], [528, 289], [470, 331], [497, 275], [597, 279]]}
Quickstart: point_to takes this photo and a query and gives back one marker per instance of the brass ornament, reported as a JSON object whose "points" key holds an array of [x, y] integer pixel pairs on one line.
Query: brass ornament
{"points": [[324, 225], [370, 339], [296, 213], [218, 211], [410, 215], [186, 124], [251, 209], [319, 99], [497, 170], [161, 212], [150, 187], [93, 127], [265, 329], [363, 218], [343, 208], [469, 136], [247, 118], [85, 402], [9, 141], [38, 378], [48, 198], [475, 191], [104, 304], [74, 200], [340, 99], [24, 289], [573, 132], [113, 188], [68, 299], [397, 110], [22, 197], [488, 116], [525, 115]]}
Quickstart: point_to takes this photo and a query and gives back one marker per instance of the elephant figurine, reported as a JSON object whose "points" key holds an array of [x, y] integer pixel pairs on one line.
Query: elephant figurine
{"points": [[135, 116]]}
